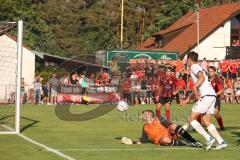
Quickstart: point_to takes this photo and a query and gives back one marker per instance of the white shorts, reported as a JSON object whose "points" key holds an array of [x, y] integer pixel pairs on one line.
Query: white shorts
{"points": [[53, 92], [205, 105]]}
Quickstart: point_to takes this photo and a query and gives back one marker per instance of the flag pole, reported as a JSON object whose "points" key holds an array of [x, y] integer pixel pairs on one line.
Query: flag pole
{"points": [[198, 27], [122, 23]]}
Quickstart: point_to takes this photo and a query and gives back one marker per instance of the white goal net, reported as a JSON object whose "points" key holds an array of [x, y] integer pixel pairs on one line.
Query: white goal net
{"points": [[10, 76]]}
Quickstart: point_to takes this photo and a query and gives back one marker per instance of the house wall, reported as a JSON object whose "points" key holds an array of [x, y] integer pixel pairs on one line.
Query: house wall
{"points": [[8, 67], [214, 46]]}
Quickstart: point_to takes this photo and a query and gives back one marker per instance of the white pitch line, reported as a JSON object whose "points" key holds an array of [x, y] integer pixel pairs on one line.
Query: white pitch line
{"points": [[49, 149], [10, 130], [6, 127], [136, 149]]}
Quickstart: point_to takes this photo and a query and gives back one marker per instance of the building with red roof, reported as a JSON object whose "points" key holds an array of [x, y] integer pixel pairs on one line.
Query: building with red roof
{"points": [[219, 28]]}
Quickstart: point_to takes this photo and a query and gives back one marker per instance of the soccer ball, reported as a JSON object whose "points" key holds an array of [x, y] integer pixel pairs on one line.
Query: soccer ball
{"points": [[122, 106]]}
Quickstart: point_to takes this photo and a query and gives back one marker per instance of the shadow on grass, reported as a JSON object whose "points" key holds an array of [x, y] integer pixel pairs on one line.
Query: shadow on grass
{"points": [[63, 112], [236, 135], [31, 122]]}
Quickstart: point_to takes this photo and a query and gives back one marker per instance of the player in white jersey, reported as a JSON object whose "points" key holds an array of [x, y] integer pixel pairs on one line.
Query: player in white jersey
{"points": [[205, 105]]}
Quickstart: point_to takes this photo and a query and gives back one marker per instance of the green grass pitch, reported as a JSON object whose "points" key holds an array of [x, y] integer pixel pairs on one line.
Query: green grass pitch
{"points": [[97, 139]]}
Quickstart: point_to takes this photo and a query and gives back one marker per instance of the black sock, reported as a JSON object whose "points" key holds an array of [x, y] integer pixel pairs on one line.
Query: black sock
{"points": [[180, 131]]}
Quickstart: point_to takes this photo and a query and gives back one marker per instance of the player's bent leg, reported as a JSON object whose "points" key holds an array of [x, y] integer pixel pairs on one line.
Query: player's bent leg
{"points": [[211, 128], [167, 141], [183, 133], [197, 126], [213, 131]]}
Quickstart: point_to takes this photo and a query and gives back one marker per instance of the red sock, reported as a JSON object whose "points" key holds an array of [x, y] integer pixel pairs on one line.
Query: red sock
{"points": [[158, 113], [168, 114], [220, 122], [199, 119]]}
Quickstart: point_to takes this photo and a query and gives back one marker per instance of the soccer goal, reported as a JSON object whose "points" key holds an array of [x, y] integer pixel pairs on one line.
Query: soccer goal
{"points": [[11, 36]]}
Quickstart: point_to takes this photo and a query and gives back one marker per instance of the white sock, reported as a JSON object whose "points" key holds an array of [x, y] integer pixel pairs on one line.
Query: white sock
{"points": [[212, 129], [197, 126]]}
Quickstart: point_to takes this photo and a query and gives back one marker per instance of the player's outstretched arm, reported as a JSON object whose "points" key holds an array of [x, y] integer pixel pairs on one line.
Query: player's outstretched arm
{"points": [[144, 138], [185, 102]]}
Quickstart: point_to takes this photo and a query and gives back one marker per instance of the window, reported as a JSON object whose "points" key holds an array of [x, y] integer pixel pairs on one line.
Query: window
{"points": [[235, 29], [158, 41]]}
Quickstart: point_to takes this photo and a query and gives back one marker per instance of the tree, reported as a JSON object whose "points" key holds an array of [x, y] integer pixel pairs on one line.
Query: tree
{"points": [[37, 34]]}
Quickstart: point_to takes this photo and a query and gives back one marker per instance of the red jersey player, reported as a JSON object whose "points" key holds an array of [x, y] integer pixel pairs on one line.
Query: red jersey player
{"points": [[218, 87], [167, 91]]}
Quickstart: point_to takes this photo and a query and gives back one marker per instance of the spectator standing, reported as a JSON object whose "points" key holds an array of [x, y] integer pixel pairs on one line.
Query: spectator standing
{"points": [[90, 82], [224, 69], [98, 81], [179, 67], [105, 77], [233, 70], [126, 89], [143, 94], [84, 84], [37, 90], [54, 84], [115, 81], [184, 75], [64, 79], [238, 70], [73, 78], [150, 90], [228, 92], [237, 90], [23, 91]]}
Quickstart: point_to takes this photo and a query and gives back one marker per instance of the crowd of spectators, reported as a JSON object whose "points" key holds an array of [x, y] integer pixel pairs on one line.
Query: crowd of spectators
{"points": [[47, 92], [142, 79], [236, 43], [139, 84]]}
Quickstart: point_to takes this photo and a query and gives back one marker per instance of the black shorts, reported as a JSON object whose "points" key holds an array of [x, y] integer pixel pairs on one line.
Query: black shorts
{"points": [[164, 100], [233, 75], [218, 104]]}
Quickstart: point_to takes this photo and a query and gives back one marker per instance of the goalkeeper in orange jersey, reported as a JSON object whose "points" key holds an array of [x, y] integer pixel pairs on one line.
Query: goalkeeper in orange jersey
{"points": [[162, 132]]}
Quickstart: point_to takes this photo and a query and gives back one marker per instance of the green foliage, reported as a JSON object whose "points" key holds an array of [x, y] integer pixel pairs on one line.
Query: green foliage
{"points": [[172, 10], [37, 34], [80, 27]]}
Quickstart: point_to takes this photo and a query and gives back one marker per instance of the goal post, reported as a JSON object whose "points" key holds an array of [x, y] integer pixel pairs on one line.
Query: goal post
{"points": [[19, 75], [11, 49]]}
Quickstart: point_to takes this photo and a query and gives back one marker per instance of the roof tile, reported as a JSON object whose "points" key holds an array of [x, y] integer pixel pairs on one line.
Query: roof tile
{"points": [[210, 19]]}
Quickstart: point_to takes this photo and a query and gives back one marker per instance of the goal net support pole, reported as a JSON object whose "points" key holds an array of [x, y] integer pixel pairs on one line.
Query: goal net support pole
{"points": [[19, 73]]}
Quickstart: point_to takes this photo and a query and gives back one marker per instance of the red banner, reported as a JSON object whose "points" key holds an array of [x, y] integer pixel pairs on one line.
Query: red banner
{"points": [[91, 98]]}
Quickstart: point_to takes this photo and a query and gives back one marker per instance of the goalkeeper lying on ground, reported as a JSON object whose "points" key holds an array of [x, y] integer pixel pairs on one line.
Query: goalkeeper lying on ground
{"points": [[163, 132]]}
